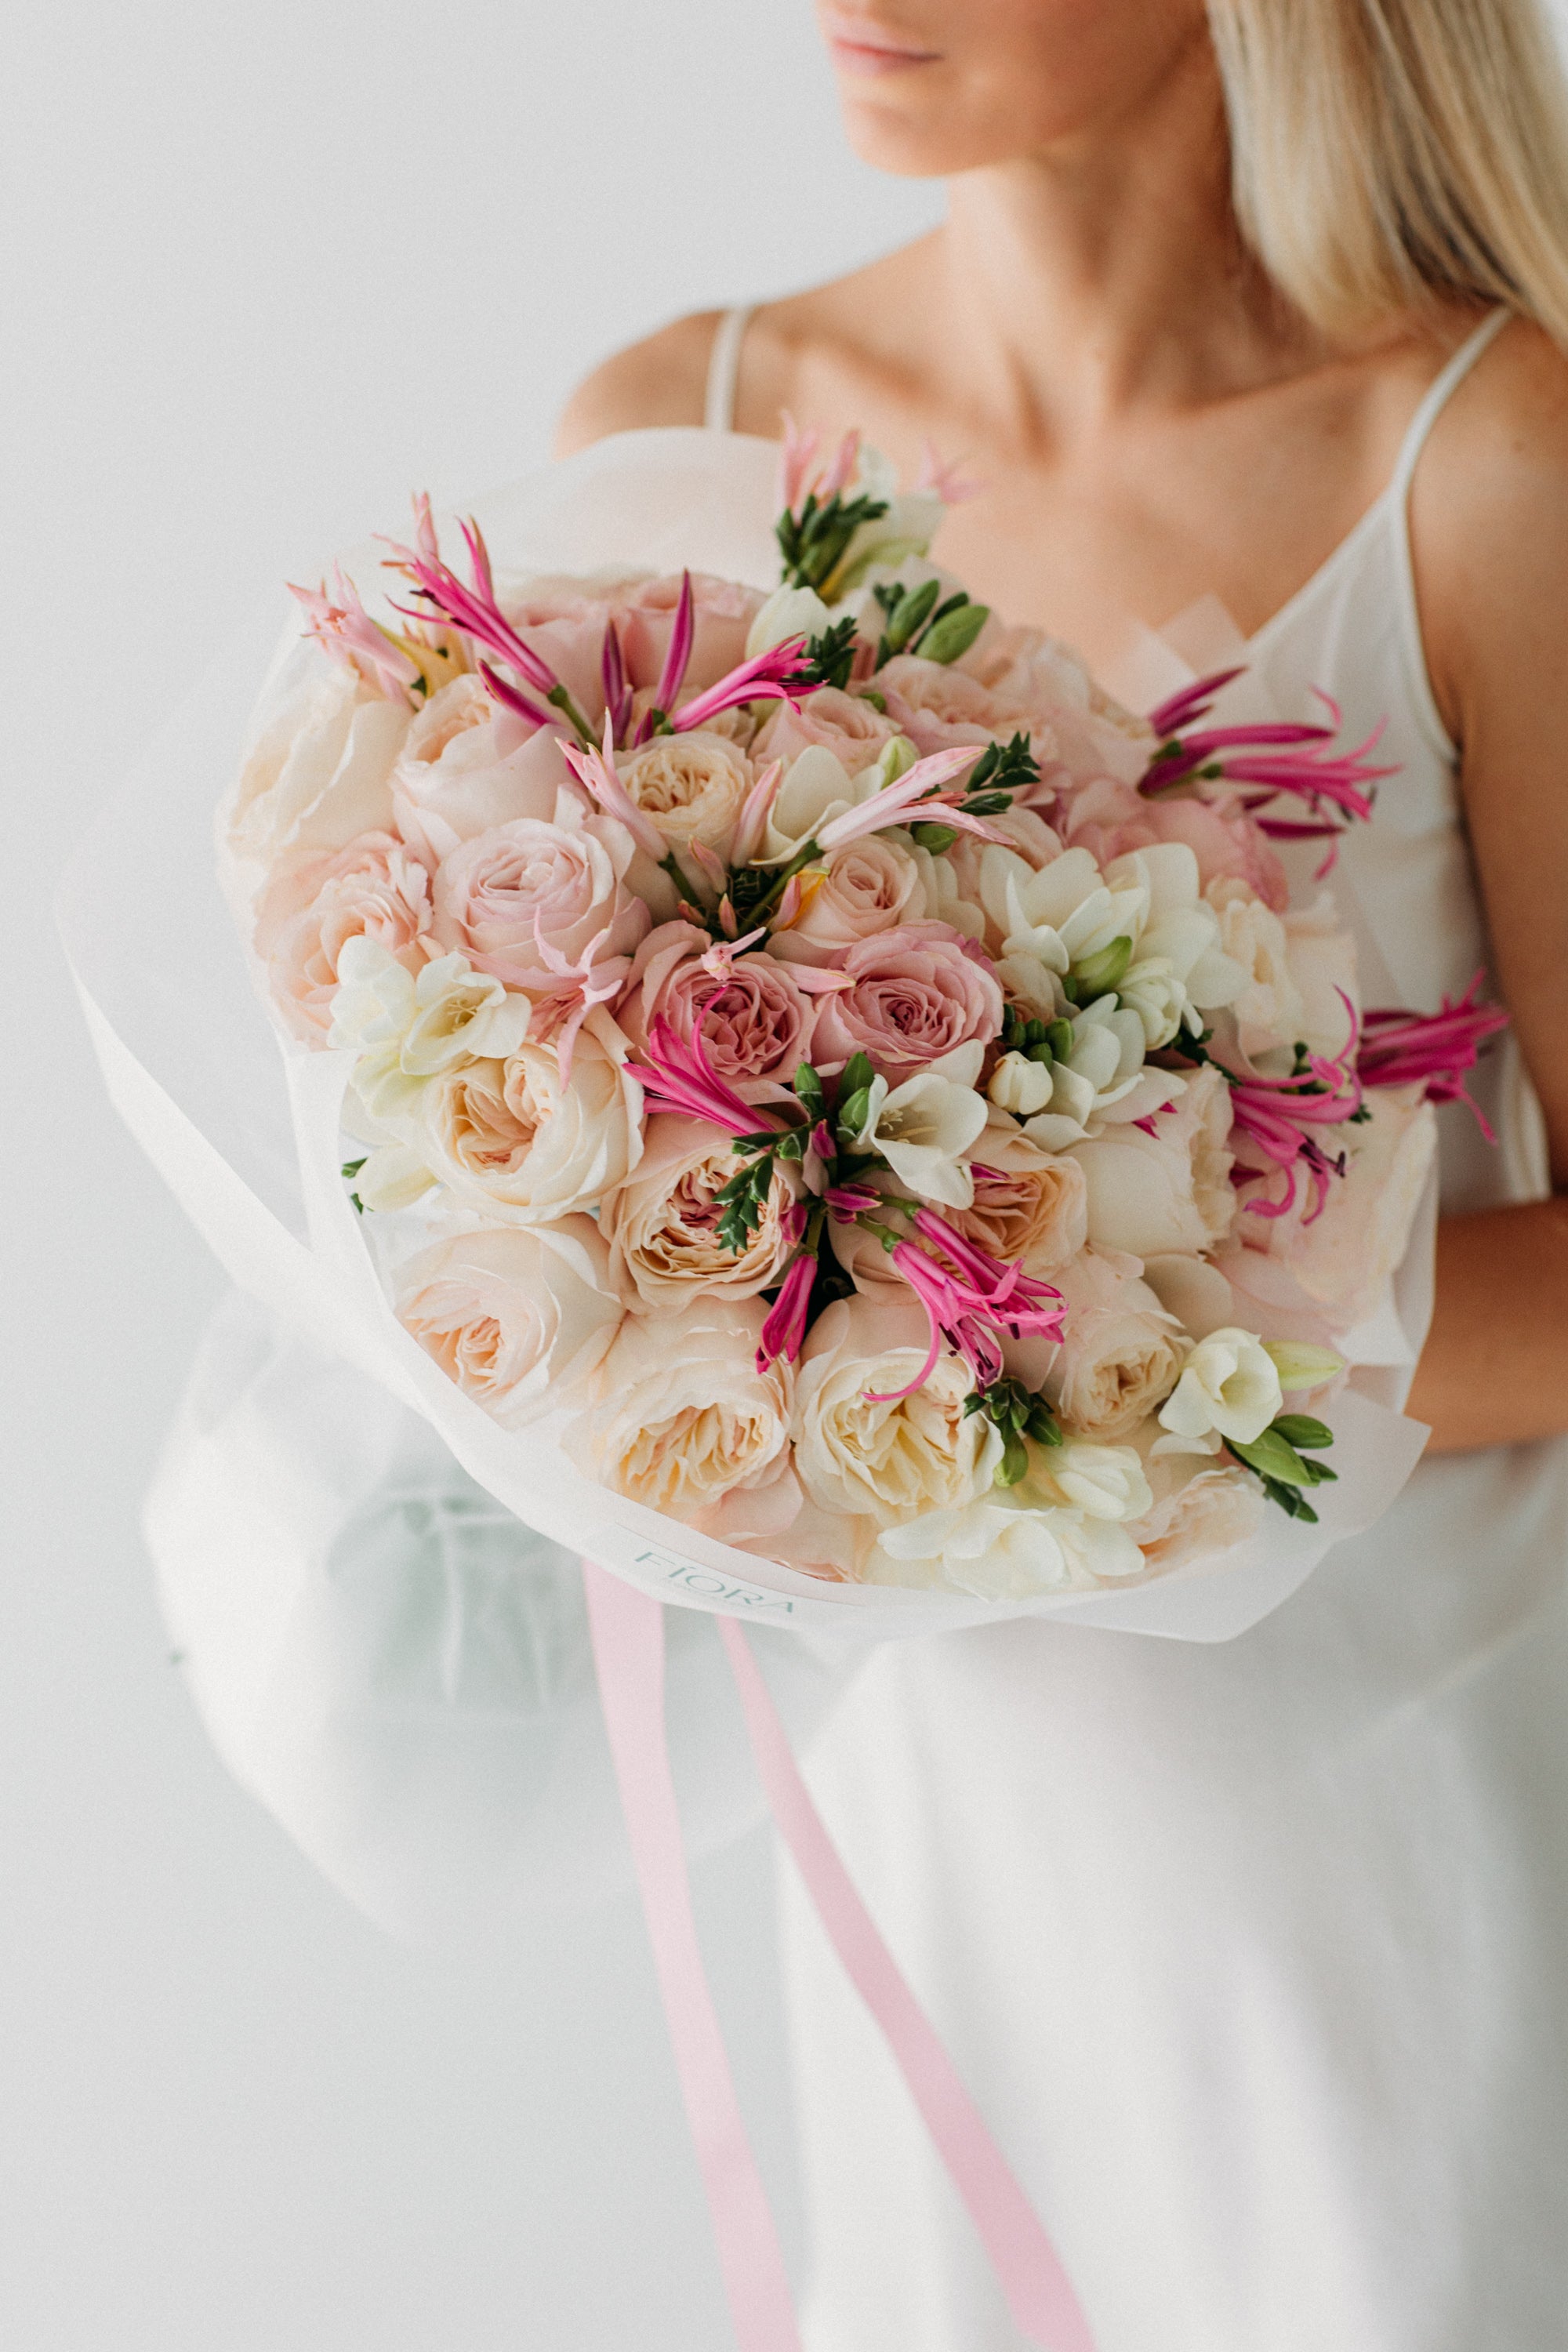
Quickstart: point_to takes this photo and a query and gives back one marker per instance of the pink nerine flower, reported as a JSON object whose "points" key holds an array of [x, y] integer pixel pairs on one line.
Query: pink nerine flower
{"points": [[782, 674], [784, 1330], [1280, 1116], [925, 791], [471, 606], [970, 1300], [1272, 756], [680, 1078], [345, 630], [1401, 1049]]}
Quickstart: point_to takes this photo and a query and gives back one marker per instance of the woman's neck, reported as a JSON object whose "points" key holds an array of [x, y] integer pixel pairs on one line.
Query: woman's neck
{"points": [[1108, 274]]}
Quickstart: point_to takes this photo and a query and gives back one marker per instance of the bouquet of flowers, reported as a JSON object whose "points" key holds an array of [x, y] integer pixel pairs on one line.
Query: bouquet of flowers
{"points": [[809, 1070]]}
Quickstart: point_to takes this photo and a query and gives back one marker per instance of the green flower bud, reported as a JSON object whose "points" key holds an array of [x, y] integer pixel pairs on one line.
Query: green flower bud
{"points": [[950, 638], [1098, 974], [1301, 1366], [933, 837], [1059, 1038]]}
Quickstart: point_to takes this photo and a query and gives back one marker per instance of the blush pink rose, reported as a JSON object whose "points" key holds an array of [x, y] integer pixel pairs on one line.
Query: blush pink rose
{"points": [[542, 907], [852, 728], [754, 1022], [467, 765], [722, 614], [936, 705], [870, 886], [1093, 735], [377, 889], [914, 993], [565, 622], [1110, 819]]}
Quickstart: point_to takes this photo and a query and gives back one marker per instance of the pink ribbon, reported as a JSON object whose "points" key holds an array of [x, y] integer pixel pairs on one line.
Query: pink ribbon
{"points": [[628, 1646], [628, 1631]]}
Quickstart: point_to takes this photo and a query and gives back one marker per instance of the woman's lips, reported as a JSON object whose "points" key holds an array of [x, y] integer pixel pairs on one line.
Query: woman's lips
{"points": [[868, 50]]}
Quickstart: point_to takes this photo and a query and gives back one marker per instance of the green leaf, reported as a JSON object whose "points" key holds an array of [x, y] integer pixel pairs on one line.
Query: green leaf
{"points": [[832, 654], [808, 1090], [1273, 1457]]}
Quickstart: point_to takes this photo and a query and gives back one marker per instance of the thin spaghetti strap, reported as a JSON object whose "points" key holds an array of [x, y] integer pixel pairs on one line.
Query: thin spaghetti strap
{"points": [[1437, 398], [723, 367]]}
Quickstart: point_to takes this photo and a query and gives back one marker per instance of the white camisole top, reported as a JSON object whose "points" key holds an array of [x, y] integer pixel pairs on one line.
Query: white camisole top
{"points": [[1257, 1955]]}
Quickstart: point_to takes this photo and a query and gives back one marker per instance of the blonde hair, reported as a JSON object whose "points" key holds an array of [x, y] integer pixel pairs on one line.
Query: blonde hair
{"points": [[1388, 153]]}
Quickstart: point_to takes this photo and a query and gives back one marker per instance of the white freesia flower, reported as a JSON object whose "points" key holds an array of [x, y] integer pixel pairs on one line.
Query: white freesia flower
{"points": [[907, 529], [1104, 1067], [409, 1030], [1056, 918], [788, 613], [1034, 1537], [997, 1549], [925, 1127], [1228, 1388], [1107, 1482], [1179, 969], [1020, 1085]]}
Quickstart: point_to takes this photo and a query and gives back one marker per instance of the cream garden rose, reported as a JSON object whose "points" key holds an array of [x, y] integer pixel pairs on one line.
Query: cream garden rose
{"points": [[692, 786], [893, 1459], [515, 1139], [1120, 1353], [517, 1319], [318, 776], [684, 1423], [1166, 1192]]}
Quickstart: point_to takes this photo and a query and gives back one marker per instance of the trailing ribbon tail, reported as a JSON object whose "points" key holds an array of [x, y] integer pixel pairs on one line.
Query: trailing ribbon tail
{"points": [[628, 1629]]}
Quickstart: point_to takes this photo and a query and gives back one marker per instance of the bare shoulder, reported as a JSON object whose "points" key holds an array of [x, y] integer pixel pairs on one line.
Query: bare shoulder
{"points": [[660, 380], [1489, 523]]}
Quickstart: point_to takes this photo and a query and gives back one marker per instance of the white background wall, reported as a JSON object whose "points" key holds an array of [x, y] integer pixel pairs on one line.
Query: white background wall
{"points": [[262, 271]]}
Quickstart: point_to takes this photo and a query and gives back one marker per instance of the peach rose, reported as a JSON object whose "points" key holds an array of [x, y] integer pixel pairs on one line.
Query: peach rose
{"points": [[848, 726], [893, 1460], [684, 1423], [313, 906], [468, 765], [915, 992], [517, 1319], [659, 1222], [515, 1141], [1169, 1191], [1030, 1207], [1194, 1513], [870, 886], [565, 620], [542, 906], [722, 614], [754, 1022], [693, 786]]}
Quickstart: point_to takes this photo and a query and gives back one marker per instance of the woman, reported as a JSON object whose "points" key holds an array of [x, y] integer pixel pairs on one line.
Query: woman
{"points": [[1256, 1956]]}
